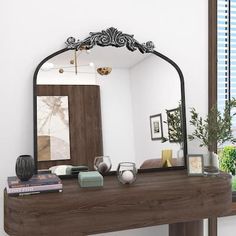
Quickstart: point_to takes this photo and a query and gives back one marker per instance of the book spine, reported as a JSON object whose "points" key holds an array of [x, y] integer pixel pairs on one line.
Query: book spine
{"points": [[34, 188], [34, 193], [33, 184]]}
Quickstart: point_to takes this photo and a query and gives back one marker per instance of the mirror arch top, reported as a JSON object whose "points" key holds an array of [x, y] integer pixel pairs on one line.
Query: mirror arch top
{"points": [[110, 37]]}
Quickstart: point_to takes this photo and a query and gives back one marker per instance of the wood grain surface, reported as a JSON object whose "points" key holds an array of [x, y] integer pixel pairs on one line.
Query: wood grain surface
{"points": [[232, 212], [193, 228], [212, 226], [84, 122], [154, 199]]}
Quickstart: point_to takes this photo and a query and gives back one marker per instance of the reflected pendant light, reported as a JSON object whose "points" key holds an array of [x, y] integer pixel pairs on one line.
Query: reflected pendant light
{"points": [[104, 70]]}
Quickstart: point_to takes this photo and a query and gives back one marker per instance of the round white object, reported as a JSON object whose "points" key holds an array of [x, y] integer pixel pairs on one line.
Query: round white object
{"points": [[127, 176]]}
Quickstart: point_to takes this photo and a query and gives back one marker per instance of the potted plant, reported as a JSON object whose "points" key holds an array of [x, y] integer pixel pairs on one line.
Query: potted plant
{"points": [[215, 129], [227, 158]]}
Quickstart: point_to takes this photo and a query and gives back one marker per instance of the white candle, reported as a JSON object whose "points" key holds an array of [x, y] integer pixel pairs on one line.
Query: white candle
{"points": [[127, 176]]}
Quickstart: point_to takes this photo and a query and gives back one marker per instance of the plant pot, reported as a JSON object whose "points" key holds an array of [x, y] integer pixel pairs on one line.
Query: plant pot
{"points": [[211, 164]]}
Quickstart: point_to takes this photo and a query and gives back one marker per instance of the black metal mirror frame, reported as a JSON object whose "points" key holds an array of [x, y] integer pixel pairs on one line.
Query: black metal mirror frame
{"points": [[115, 38]]}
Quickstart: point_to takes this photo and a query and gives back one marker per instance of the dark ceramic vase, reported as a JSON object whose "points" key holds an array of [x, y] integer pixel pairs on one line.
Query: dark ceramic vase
{"points": [[24, 167]]}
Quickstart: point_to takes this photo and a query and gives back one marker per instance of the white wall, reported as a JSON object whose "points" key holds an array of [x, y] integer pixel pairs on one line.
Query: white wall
{"points": [[30, 30], [226, 226]]}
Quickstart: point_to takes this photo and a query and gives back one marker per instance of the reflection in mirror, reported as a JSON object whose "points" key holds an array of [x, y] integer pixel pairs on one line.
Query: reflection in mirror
{"points": [[53, 128], [139, 102]]}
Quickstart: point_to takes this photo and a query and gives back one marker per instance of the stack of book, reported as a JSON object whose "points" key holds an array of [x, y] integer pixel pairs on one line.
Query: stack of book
{"points": [[37, 184]]}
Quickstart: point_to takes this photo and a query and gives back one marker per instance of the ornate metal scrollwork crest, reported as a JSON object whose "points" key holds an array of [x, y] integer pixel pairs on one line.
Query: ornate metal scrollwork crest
{"points": [[110, 37]]}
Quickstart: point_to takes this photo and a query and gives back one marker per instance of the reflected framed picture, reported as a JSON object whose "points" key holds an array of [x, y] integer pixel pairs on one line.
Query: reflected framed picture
{"points": [[156, 127], [53, 136], [195, 164]]}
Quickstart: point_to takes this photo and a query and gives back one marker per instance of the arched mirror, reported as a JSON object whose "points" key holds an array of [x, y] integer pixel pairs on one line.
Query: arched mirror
{"points": [[109, 95]]}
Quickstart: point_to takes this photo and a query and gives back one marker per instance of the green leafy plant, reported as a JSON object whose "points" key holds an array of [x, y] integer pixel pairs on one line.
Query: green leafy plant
{"points": [[174, 125], [227, 158], [216, 128]]}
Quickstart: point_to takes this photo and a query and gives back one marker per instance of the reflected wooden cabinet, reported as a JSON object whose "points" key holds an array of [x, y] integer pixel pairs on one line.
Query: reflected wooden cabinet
{"points": [[85, 123], [154, 199]]}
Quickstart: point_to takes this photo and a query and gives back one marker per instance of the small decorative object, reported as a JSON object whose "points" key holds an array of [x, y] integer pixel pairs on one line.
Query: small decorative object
{"points": [[212, 132], [75, 170], [211, 163], [156, 127], [102, 164], [67, 170], [24, 167], [166, 156], [90, 179], [60, 169], [126, 172], [195, 165], [104, 70]]}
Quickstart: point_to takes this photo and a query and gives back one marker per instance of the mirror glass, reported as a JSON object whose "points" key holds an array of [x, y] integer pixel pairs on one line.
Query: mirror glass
{"points": [[140, 101]]}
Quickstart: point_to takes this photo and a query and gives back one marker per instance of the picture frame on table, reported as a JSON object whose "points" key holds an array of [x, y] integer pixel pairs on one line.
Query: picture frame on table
{"points": [[195, 165]]}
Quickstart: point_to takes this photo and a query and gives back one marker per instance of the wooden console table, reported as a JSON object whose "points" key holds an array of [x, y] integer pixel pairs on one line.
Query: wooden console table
{"points": [[155, 198]]}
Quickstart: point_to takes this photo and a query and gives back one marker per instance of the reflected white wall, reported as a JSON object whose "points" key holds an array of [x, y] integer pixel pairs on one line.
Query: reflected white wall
{"points": [[117, 117], [155, 88]]}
